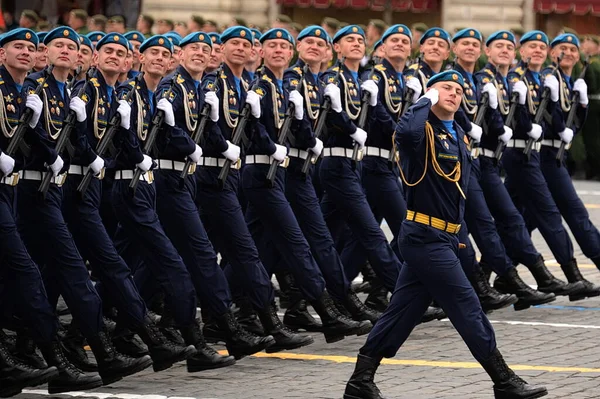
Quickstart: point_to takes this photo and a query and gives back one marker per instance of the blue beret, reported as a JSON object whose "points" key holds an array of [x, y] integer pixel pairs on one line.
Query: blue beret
{"points": [[501, 35], [565, 38], [467, 33], [394, 29], [277, 33], [447, 76], [215, 37], [256, 33], [85, 41], [19, 34], [236, 31], [435, 32], [113, 38], [313, 31], [135, 35], [377, 44], [62, 32], [41, 35], [534, 35], [174, 38], [348, 30], [157, 40], [95, 36], [196, 37]]}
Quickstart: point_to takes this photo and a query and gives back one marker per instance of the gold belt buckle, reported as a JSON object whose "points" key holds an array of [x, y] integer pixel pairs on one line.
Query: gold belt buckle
{"points": [[15, 179], [60, 179], [192, 169], [237, 164], [148, 177], [100, 175], [360, 155], [285, 163]]}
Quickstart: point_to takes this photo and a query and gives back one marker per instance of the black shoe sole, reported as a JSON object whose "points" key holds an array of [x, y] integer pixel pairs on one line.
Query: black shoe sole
{"points": [[9, 392], [168, 363], [496, 306], [56, 389], [196, 369], [303, 327], [533, 395], [281, 347], [111, 379], [522, 306], [239, 354]]}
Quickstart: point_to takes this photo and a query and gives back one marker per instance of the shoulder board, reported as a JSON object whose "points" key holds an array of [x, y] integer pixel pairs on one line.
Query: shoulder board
{"points": [[95, 82], [180, 80], [488, 72], [260, 91], [132, 83], [1, 82], [380, 67], [268, 79], [39, 80], [294, 82], [298, 70], [519, 71], [414, 66]]}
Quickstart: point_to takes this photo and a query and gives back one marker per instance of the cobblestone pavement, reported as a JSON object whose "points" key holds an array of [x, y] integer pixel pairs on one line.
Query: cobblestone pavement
{"points": [[555, 345]]}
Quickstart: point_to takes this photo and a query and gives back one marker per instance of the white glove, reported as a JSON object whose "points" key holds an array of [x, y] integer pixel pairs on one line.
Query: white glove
{"points": [[232, 152], [433, 95], [35, 103], [535, 132], [552, 83], [211, 99], [475, 132], [146, 164], [318, 148], [164, 105], [521, 89], [125, 111], [566, 135], [78, 106], [195, 156], [506, 136], [254, 100], [7, 163], [373, 89], [97, 165], [280, 153], [57, 166], [360, 136], [415, 85], [581, 87], [298, 101], [490, 89], [333, 92]]}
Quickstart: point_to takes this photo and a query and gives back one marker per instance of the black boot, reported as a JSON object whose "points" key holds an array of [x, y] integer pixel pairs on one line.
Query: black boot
{"points": [[507, 385], [247, 317], [368, 279], [358, 310], [25, 352], [546, 282], [297, 317], [127, 343], [285, 339], [433, 313], [489, 298], [168, 329], [112, 365], [336, 326], [163, 352], [573, 275], [70, 378], [378, 296], [73, 344], [205, 358], [511, 283], [286, 283], [361, 384], [238, 341], [14, 375]]}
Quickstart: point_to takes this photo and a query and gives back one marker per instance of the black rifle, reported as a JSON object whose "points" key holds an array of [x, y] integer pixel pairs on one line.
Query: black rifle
{"points": [[571, 117], [74, 78], [16, 141], [65, 133], [201, 126], [157, 122], [541, 111], [284, 132], [320, 125], [514, 98], [238, 135], [106, 140], [410, 93]]}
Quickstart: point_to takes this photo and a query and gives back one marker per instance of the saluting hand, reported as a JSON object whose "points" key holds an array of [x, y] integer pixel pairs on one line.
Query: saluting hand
{"points": [[433, 95]]}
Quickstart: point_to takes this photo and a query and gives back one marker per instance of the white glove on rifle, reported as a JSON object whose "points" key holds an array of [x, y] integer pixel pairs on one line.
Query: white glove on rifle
{"points": [[566, 135], [125, 111], [97, 165], [212, 99], [535, 132], [35, 103], [280, 153], [318, 148], [552, 83], [78, 106], [57, 166], [146, 164], [164, 105], [373, 90], [333, 92], [490, 89], [506, 136], [521, 89], [360, 136], [253, 99], [475, 132], [298, 101], [581, 87], [433, 95], [196, 155], [415, 85], [7, 164], [232, 152]]}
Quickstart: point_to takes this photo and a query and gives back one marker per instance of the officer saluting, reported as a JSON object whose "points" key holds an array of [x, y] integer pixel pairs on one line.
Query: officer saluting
{"points": [[437, 164]]}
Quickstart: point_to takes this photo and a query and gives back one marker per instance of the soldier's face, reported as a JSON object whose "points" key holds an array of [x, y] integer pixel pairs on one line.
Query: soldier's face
{"points": [[128, 62], [536, 51], [312, 49], [237, 51], [255, 53], [501, 52], [277, 53], [435, 50], [155, 60], [84, 58], [136, 52], [351, 46], [41, 58], [216, 56], [467, 49], [63, 53], [570, 54], [396, 47], [195, 56], [111, 58], [19, 55], [450, 96]]}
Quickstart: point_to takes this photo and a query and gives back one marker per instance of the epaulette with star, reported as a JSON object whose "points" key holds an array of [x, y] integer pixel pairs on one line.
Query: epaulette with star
{"points": [[380, 67], [180, 80], [95, 82]]}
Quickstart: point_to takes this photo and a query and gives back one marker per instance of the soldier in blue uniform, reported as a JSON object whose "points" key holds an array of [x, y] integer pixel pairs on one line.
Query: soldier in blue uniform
{"points": [[84, 59], [135, 38], [434, 50], [558, 133], [435, 158], [95, 36], [524, 179], [42, 224], [28, 298], [221, 207]]}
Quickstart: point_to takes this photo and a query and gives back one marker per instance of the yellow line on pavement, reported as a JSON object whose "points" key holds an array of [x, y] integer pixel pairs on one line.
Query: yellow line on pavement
{"points": [[581, 265], [592, 206]]}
